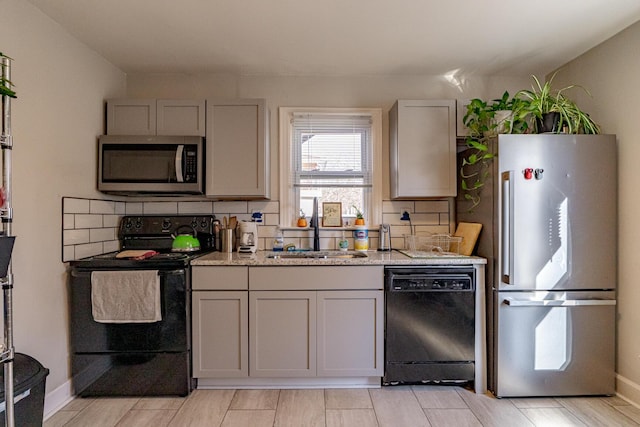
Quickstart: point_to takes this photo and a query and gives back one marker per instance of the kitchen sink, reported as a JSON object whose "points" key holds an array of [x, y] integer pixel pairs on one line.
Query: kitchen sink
{"points": [[316, 255]]}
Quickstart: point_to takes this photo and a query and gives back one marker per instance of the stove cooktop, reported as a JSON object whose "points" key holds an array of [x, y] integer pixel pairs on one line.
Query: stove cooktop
{"points": [[162, 260]]}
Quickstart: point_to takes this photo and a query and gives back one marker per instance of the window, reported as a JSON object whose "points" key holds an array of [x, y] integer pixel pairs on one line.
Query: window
{"points": [[333, 154]]}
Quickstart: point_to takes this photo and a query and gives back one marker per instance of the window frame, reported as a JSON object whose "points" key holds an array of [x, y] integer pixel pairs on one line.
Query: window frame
{"points": [[373, 212]]}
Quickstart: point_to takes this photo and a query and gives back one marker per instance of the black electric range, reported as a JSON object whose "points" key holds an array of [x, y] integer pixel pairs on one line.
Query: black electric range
{"points": [[138, 359]]}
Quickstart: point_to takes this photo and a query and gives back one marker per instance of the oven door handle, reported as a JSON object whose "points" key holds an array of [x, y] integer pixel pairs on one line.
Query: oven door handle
{"points": [[161, 273], [558, 303]]}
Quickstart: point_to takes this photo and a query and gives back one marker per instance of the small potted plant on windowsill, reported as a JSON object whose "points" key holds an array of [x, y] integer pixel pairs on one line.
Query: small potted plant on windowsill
{"points": [[302, 219], [5, 84], [359, 216]]}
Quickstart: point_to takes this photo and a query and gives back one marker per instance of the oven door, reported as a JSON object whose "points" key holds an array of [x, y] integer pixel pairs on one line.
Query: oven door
{"points": [[171, 334]]}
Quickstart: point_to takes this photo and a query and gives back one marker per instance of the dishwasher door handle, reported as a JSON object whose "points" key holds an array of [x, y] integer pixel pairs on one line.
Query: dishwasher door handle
{"points": [[558, 303]]}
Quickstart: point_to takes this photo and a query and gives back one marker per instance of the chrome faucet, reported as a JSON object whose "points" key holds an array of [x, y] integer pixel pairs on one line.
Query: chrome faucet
{"points": [[315, 225]]}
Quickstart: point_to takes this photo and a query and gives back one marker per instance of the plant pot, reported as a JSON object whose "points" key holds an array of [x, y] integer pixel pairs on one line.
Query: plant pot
{"points": [[550, 123]]}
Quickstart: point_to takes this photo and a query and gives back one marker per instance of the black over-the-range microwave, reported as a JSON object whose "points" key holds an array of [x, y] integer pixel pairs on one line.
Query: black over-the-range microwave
{"points": [[132, 164]]}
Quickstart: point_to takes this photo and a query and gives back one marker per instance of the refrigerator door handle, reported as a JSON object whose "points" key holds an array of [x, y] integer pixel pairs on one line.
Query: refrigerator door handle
{"points": [[507, 228], [558, 303]]}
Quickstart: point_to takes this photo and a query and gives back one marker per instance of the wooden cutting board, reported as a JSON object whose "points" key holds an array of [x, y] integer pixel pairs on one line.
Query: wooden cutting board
{"points": [[469, 231]]}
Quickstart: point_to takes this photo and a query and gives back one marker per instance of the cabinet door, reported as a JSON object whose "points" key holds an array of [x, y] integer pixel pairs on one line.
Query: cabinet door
{"points": [[182, 117], [282, 333], [131, 117], [220, 334], [350, 333], [237, 149], [422, 144]]}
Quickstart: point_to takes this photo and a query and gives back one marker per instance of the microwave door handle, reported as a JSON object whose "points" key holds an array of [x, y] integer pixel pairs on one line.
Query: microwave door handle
{"points": [[179, 158]]}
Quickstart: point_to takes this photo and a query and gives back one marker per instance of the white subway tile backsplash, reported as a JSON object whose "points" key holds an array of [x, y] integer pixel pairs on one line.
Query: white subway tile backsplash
{"points": [[203, 208], [111, 246], [90, 226], [75, 237], [134, 208], [68, 221], [425, 218], [266, 207], [432, 206], [231, 208], [160, 208], [73, 205], [102, 207], [397, 206], [90, 249], [121, 208], [271, 219], [111, 220], [102, 234], [88, 221], [68, 253]]}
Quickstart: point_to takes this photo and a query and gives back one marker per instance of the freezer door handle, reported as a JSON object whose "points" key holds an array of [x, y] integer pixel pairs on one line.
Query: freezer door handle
{"points": [[558, 303], [507, 228]]}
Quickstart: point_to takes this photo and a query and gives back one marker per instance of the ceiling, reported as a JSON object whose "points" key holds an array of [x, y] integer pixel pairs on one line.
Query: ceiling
{"points": [[341, 37]]}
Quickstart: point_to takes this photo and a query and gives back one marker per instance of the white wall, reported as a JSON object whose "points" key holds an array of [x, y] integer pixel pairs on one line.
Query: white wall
{"points": [[59, 112], [611, 72]]}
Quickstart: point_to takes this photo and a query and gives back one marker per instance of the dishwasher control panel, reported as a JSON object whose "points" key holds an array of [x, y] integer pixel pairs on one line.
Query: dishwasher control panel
{"points": [[429, 282]]}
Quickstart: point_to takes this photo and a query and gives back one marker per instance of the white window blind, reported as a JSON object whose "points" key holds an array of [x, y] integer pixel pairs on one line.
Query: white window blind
{"points": [[333, 154], [331, 150]]}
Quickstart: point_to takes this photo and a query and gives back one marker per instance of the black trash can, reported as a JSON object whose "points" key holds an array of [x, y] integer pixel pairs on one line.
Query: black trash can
{"points": [[29, 378]]}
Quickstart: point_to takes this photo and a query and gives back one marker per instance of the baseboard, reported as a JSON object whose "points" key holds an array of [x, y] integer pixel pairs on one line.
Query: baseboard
{"points": [[57, 399], [628, 390]]}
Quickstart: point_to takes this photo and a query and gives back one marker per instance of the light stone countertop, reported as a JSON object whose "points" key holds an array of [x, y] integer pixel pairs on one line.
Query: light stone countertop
{"points": [[374, 257]]}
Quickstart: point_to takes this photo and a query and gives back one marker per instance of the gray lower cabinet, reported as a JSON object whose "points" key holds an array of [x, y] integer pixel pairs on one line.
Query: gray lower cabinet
{"points": [[220, 322], [350, 333], [320, 321], [292, 322], [220, 334], [282, 333]]}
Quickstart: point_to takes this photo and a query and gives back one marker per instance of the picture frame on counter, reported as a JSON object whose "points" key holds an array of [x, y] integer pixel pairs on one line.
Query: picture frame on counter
{"points": [[332, 214]]}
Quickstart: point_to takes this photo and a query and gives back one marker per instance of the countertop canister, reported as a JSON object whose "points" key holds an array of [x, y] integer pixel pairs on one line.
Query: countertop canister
{"points": [[361, 238]]}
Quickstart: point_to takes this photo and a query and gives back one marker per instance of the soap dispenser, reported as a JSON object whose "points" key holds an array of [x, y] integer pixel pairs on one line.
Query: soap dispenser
{"points": [[278, 241]]}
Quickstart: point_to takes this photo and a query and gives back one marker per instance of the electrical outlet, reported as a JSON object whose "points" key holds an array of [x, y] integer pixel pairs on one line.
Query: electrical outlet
{"points": [[406, 209]]}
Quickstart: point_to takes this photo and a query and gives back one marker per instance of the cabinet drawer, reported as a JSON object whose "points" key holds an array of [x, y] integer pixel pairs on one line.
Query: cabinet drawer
{"points": [[220, 278], [316, 277]]}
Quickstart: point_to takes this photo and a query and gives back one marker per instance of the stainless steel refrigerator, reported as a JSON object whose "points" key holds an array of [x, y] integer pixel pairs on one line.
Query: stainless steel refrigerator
{"points": [[550, 221]]}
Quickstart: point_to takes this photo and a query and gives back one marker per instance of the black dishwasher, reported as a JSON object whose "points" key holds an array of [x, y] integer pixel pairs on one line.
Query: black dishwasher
{"points": [[429, 324]]}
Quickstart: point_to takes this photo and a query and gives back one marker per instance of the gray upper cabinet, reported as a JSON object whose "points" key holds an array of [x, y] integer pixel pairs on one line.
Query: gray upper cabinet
{"points": [[131, 117], [422, 142], [237, 149], [183, 117]]}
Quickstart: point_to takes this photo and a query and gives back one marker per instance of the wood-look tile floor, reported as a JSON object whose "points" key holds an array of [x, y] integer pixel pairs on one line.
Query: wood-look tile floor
{"points": [[389, 406]]}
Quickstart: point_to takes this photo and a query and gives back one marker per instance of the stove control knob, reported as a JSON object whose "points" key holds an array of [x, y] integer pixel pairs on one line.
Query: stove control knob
{"points": [[166, 224]]}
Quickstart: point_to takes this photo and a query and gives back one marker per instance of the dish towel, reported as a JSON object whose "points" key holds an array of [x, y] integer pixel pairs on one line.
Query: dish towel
{"points": [[131, 296]]}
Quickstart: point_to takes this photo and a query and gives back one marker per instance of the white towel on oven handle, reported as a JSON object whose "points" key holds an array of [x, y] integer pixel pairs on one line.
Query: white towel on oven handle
{"points": [[129, 296]]}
